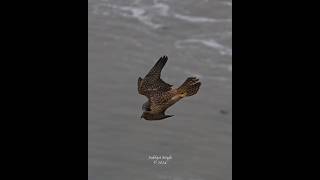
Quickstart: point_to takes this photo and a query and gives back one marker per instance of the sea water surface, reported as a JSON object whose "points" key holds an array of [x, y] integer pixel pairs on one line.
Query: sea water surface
{"points": [[126, 38]]}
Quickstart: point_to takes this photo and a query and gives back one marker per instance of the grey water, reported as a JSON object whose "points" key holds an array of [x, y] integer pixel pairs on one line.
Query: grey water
{"points": [[126, 38]]}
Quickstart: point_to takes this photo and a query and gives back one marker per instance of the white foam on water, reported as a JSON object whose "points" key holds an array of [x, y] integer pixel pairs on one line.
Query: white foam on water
{"points": [[223, 50], [161, 8], [146, 13], [143, 13], [135, 12], [198, 19]]}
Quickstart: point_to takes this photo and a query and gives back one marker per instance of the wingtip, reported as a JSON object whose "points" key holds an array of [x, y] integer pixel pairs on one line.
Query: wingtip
{"points": [[162, 61], [164, 57]]}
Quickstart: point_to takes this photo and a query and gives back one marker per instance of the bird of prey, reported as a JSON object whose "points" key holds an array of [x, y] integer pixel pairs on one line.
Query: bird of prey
{"points": [[160, 94]]}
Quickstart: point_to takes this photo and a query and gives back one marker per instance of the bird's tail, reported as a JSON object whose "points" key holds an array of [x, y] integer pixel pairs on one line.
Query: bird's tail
{"points": [[189, 87]]}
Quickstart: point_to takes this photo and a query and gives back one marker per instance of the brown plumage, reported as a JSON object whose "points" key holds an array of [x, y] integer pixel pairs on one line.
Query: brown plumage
{"points": [[160, 94]]}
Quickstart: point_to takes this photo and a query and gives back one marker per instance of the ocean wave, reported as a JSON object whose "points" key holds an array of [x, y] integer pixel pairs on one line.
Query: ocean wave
{"points": [[136, 12], [198, 19], [223, 50], [143, 13], [146, 13]]}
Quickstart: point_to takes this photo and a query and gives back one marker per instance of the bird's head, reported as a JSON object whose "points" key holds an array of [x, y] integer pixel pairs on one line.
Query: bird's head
{"points": [[146, 116]]}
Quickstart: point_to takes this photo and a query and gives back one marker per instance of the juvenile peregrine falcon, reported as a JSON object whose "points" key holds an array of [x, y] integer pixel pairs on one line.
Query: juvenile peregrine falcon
{"points": [[160, 94]]}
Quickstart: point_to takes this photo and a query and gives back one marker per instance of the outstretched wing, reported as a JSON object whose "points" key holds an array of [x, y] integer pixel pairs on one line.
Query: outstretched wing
{"points": [[155, 71], [152, 81]]}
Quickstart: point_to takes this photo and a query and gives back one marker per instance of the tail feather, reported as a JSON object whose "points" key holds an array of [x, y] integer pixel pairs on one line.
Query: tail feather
{"points": [[190, 86]]}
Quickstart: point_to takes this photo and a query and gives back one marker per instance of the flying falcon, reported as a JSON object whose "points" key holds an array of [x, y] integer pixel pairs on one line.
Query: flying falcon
{"points": [[160, 94]]}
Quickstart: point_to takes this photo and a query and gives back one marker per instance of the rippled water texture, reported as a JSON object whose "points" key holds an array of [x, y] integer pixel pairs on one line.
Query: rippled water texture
{"points": [[126, 38]]}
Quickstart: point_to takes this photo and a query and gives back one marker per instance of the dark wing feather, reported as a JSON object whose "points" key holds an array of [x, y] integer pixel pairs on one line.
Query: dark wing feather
{"points": [[152, 81], [155, 71]]}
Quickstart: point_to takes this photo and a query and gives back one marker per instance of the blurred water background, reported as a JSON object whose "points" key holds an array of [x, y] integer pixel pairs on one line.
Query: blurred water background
{"points": [[126, 38]]}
